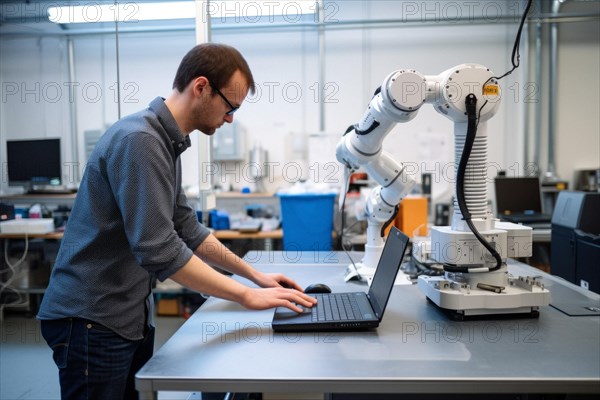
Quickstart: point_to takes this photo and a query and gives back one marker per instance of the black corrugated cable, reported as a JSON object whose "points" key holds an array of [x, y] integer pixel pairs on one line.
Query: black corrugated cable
{"points": [[471, 106]]}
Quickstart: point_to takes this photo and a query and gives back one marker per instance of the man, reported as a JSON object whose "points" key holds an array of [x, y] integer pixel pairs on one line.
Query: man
{"points": [[131, 225]]}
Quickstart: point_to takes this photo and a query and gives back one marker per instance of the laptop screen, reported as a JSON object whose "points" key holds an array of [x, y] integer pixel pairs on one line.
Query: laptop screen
{"points": [[518, 195], [384, 278]]}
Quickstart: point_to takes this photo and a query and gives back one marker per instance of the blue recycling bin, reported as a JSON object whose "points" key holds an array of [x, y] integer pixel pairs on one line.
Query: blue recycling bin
{"points": [[307, 221]]}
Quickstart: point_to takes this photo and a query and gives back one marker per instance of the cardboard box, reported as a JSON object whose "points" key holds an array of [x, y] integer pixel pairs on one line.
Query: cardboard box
{"points": [[168, 307]]}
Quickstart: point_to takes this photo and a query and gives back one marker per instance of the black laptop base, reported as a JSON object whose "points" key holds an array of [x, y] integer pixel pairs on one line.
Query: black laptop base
{"points": [[324, 327], [337, 327], [364, 319]]}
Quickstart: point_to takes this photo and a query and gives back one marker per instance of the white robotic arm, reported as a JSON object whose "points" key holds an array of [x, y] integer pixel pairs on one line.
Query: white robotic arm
{"points": [[399, 98], [475, 248]]}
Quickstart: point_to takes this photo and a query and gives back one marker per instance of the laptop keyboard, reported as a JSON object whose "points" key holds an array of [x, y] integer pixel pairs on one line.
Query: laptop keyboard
{"points": [[336, 307]]}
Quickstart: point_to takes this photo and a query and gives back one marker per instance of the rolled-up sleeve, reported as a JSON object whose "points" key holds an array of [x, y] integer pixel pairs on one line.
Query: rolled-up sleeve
{"points": [[145, 189]]}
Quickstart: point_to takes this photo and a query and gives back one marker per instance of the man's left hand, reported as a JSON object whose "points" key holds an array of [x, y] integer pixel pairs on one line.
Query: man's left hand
{"points": [[276, 280]]}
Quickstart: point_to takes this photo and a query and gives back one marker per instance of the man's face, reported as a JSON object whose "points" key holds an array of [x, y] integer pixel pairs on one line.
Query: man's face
{"points": [[210, 112]]}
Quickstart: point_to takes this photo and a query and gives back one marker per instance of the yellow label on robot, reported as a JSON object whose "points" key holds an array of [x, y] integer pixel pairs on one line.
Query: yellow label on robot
{"points": [[491, 90]]}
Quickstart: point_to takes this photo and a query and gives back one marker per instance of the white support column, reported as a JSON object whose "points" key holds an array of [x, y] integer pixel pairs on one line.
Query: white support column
{"points": [[206, 196]]}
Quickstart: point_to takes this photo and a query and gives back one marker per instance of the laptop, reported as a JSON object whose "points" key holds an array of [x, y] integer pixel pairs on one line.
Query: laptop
{"points": [[519, 200], [352, 310]]}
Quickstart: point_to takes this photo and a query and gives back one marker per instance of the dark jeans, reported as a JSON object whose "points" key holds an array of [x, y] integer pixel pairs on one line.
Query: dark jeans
{"points": [[93, 361]]}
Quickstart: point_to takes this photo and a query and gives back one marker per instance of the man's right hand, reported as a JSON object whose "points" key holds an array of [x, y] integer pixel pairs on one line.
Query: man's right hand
{"points": [[264, 298]]}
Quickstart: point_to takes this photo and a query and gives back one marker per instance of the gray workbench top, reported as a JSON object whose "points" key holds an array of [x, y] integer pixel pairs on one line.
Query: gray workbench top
{"points": [[416, 349]]}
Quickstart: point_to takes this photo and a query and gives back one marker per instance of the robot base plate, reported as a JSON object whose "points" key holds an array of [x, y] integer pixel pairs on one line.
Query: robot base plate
{"points": [[524, 296]]}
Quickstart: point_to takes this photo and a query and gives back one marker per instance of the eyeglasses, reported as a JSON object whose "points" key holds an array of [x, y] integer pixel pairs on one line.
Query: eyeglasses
{"points": [[233, 109]]}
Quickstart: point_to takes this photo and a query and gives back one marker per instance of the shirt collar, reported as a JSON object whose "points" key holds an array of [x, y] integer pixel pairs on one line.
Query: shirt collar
{"points": [[179, 141]]}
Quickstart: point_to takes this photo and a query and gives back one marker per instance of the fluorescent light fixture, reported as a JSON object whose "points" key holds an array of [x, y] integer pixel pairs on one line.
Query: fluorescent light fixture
{"points": [[250, 10]]}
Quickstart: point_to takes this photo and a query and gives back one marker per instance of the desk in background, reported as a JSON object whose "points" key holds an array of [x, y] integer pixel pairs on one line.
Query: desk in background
{"points": [[267, 237], [225, 235], [234, 201], [416, 349], [24, 286], [21, 236], [237, 235], [33, 280], [47, 199]]}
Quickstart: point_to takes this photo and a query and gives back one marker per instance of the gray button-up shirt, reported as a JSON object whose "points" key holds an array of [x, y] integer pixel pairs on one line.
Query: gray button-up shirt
{"points": [[130, 225]]}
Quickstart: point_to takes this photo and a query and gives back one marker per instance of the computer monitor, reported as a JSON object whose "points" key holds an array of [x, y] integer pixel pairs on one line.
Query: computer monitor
{"points": [[34, 162], [518, 195]]}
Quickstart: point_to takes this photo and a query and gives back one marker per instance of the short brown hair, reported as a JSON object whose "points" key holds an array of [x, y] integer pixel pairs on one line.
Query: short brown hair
{"points": [[217, 62]]}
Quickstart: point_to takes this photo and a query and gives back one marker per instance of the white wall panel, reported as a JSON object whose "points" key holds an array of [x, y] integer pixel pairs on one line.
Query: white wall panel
{"points": [[285, 64]]}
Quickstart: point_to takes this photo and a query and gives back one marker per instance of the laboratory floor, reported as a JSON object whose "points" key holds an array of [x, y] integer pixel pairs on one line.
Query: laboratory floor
{"points": [[26, 368]]}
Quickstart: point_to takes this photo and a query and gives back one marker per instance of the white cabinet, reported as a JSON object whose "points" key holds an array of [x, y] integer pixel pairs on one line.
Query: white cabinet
{"points": [[229, 143]]}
